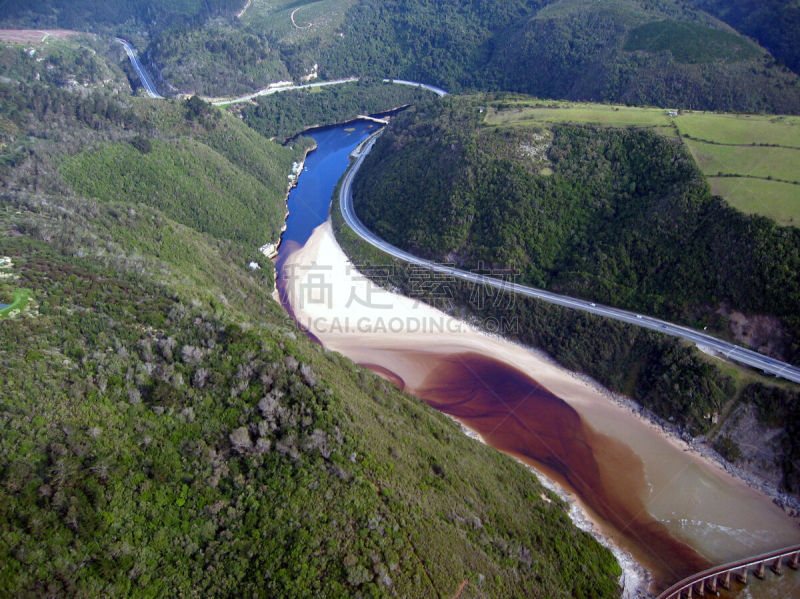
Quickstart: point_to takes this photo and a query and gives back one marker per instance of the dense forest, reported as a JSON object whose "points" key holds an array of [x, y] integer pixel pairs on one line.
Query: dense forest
{"points": [[774, 24], [619, 216], [283, 115], [94, 15], [669, 379], [657, 52], [166, 427]]}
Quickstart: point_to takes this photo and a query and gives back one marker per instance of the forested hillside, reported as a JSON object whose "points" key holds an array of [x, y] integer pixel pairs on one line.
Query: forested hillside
{"points": [[93, 15], [166, 429], [773, 24], [283, 115], [620, 216], [616, 215], [659, 52]]}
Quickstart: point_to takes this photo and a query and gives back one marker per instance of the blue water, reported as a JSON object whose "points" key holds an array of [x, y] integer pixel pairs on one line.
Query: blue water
{"points": [[4, 306], [310, 201]]}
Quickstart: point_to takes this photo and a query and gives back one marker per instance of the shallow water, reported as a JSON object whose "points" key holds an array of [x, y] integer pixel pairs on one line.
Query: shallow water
{"points": [[673, 512]]}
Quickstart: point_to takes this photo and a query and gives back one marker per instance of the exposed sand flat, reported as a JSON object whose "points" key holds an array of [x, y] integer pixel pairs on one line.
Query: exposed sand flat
{"points": [[694, 499]]}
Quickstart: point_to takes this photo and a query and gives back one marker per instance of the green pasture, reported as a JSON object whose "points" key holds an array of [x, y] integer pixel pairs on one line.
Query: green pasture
{"points": [[521, 114], [751, 161], [774, 199], [742, 129]]}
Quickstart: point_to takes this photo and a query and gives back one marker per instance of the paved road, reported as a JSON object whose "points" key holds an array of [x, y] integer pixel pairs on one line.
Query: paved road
{"points": [[431, 88], [137, 66], [703, 341], [274, 89]]}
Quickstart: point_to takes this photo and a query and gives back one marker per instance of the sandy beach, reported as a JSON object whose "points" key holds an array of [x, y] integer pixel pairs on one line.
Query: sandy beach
{"points": [[694, 498]]}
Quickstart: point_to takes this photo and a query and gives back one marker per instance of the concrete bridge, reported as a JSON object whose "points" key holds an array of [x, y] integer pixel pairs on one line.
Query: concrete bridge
{"points": [[709, 580]]}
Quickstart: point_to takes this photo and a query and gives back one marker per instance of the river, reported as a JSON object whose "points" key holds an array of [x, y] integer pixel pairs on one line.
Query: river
{"points": [[671, 510]]}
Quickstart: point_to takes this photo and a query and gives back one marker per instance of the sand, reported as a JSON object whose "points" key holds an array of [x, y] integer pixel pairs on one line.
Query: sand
{"points": [[698, 502]]}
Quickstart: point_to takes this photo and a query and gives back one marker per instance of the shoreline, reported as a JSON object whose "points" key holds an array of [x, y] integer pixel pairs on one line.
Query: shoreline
{"points": [[711, 522], [635, 579], [270, 249], [672, 433]]}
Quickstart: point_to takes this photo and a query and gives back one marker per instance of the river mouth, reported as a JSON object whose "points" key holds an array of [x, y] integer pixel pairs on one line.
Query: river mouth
{"points": [[515, 414], [672, 511]]}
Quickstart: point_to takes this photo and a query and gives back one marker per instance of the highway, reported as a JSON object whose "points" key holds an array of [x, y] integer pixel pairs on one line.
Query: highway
{"points": [[137, 66], [705, 342], [274, 89], [431, 88]]}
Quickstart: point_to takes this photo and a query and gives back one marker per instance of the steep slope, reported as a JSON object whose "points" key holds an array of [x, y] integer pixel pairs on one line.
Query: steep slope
{"points": [[167, 429], [774, 24], [620, 216], [660, 52]]}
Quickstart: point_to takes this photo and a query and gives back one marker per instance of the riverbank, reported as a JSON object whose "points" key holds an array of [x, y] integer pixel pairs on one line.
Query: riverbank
{"points": [[696, 501], [269, 249]]}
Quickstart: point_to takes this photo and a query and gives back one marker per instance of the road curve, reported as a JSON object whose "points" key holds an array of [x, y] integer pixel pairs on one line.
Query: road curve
{"points": [[139, 68], [705, 342]]}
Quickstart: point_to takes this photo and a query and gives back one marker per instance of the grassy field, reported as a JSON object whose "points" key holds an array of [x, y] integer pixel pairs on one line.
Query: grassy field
{"points": [[516, 114], [20, 300], [742, 145], [275, 16], [751, 161], [774, 199], [743, 129]]}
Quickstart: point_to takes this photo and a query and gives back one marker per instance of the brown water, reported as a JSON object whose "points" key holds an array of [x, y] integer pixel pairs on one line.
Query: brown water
{"points": [[672, 510], [515, 414]]}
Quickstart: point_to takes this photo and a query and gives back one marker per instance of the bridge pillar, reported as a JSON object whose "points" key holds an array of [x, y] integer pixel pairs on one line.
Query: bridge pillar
{"points": [[712, 584], [689, 592], [701, 588], [760, 571], [726, 580], [777, 567], [742, 575], [795, 561]]}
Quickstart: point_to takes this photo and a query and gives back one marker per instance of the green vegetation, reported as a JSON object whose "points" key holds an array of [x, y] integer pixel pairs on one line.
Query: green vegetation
{"points": [[528, 112], [761, 162], [654, 52], [736, 146], [774, 24], [741, 129], [70, 62], [93, 15], [625, 218], [283, 115], [773, 199], [167, 429], [19, 301], [752, 161], [198, 60], [187, 181], [691, 42]]}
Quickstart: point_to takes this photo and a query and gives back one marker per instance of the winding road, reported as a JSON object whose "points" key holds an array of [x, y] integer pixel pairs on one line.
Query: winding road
{"points": [[140, 70], [703, 341]]}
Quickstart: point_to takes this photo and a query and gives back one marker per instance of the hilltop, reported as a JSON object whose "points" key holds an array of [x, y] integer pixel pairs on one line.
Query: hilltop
{"points": [[604, 203], [657, 52]]}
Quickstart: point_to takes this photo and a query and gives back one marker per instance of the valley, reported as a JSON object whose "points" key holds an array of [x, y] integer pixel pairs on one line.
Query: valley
{"points": [[599, 280]]}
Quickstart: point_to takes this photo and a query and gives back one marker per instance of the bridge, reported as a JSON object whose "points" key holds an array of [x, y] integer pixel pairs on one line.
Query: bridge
{"points": [[709, 580]]}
